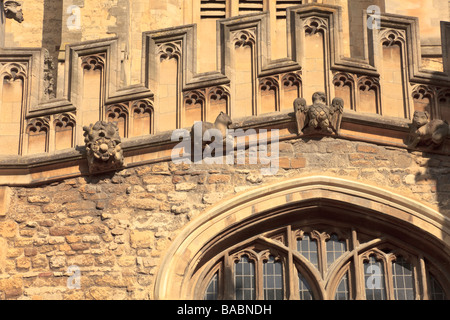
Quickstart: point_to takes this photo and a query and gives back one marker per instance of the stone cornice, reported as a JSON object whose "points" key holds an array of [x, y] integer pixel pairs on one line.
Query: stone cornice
{"points": [[45, 168]]}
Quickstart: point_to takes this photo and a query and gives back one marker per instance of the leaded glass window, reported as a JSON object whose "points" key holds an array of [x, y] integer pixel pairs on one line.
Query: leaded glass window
{"points": [[335, 249], [343, 292], [273, 280], [374, 279], [212, 291], [273, 266], [308, 248], [436, 291], [403, 277], [304, 288], [245, 279]]}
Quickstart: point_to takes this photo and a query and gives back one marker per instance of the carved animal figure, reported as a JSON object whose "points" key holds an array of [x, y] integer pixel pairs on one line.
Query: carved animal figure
{"points": [[103, 148], [319, 113], [13, 10], [300, 111], [426, 132], [201, 133], [318, 116]]}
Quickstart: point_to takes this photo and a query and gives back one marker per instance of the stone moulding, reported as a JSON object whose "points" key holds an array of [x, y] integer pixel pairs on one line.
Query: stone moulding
{"points": [[44, 168]]}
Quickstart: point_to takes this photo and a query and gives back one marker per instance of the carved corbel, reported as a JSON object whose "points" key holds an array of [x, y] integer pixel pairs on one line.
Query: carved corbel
{"points": [[318, 117], [13, 10], [103, 147]]}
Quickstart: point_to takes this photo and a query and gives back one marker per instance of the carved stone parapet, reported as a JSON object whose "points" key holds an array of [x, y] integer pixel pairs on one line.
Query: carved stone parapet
{"points": [[103, 146], [318, 117], [427, 133]]}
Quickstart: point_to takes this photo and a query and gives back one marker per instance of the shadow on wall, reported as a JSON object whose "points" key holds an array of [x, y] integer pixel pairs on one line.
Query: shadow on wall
{"points": [[433, 181]]}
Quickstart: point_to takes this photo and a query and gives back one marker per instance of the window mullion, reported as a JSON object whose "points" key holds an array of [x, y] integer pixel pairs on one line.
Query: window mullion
{"points": [[321, 251], [229, 278], [389, 277], [423, 279], [259, 281], [292, 289], [358, 270]]}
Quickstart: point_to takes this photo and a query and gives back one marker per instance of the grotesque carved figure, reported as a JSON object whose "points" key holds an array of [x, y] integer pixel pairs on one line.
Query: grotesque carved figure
{"points": [[202, 134], [13, 10], [300, 111], [318, 116], [426, 132], [103, 148]]}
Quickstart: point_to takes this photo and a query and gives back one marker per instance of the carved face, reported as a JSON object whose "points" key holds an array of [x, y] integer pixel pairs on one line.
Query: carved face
{"points": [[319, 97], [13, 10], [299, 105], [420, 118]]}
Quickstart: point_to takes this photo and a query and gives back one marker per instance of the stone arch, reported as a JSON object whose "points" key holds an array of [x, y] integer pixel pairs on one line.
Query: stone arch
{"points": [[175, 278]]}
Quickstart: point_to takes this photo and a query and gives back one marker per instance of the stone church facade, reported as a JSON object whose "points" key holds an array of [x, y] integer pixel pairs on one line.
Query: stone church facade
{"points": [[348, 100]]}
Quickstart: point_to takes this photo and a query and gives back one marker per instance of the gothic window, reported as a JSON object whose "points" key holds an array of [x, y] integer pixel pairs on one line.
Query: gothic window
{"points": [[308, 248], [437, 293], [403, 277], [374, 279], [342, 291], [320, 262], [305, 292], [273, 280], [212, 291], [335, 248], [244, 279]]}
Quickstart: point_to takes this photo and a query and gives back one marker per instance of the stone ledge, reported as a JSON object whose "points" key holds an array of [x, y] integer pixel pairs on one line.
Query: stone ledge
{"points": [[30, 169]]}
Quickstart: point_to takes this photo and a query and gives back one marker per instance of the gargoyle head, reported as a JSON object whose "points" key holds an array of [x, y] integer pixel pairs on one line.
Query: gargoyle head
{"points": [[13, 10], [421, 118], [319, 97]]}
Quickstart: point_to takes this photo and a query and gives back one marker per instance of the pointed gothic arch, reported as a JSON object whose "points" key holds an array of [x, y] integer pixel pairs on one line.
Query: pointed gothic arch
{"points": [[319, 202]]}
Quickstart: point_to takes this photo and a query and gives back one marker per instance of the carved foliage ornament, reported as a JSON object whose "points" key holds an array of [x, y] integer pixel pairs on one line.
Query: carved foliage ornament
{"points": [[103, 146], [13, 10], [318, 117]]}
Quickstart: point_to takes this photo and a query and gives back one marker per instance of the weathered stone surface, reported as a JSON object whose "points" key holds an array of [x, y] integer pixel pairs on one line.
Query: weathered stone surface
{"points": [[8, 228], [142, 239], [11, 287]]}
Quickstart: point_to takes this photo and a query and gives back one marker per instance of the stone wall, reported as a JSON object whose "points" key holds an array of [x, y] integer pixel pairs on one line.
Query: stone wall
{"points": [[117, 227]]}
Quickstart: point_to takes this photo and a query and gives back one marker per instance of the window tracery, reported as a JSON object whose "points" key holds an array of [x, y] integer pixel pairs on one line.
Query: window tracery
{"points": [[319, 263]]}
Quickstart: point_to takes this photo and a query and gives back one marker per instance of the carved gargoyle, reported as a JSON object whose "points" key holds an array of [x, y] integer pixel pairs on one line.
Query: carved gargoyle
{"points": [[13, 10], [318, 117], [201, 133], [425, 132], [103, 146]]}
